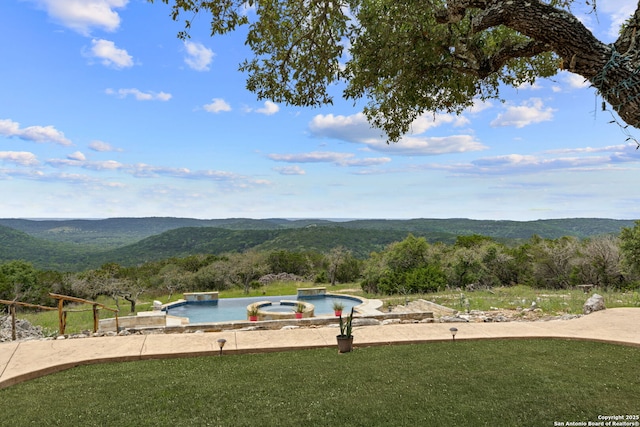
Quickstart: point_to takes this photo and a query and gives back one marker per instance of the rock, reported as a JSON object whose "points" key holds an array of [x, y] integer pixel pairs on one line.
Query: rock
{"points": [[594, 303], [365, 322], [74, 336], [157, 305], [287, 327], [280, 277], [24, 330], [390, 321], [450, 319]]}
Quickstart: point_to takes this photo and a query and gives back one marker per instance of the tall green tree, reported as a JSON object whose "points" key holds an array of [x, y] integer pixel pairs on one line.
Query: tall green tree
{"points": [[555, 262], [630, 247], [404, 267], [19, 280], [601, 262], [408, 57], [247, 267]]}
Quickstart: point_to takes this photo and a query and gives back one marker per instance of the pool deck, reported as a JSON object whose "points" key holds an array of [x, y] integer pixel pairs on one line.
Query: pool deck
{"points": [[24, 360]]}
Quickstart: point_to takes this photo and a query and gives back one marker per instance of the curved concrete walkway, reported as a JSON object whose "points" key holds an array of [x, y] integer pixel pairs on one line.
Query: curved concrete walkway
{"points": [[22, 361]]}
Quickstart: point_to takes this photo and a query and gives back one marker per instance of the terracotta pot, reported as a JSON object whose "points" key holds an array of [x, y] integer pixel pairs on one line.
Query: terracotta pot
{"points": [[253, 318], [338, 313], [298, 315], [345, 343]]}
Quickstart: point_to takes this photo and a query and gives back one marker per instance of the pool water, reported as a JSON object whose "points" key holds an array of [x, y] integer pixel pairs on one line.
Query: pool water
{"points": [[230, 309]]}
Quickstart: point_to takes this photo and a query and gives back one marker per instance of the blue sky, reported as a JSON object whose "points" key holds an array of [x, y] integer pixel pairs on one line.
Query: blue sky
{"points": [[104, 112]]}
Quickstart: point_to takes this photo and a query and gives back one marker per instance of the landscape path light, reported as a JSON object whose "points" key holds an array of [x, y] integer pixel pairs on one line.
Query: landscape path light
{"points": [[221, 342], [453, 331]]}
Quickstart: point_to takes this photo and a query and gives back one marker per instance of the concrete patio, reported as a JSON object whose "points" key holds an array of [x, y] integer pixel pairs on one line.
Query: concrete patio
{"points": [[25, 360]]}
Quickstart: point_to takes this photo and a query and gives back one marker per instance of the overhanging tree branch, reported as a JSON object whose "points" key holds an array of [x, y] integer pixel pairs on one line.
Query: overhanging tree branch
{"points": [[408, 57]]}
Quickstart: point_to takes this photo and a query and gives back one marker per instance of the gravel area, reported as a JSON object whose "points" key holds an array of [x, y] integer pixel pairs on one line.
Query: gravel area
{"points": [[24, 330]]}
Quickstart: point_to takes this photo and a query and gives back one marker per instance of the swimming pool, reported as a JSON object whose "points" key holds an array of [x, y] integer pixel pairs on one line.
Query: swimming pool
{"points": [[230, 309]]}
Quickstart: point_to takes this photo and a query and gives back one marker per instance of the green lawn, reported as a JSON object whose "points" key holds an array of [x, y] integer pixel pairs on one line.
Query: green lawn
{"points": [[466, 383]]}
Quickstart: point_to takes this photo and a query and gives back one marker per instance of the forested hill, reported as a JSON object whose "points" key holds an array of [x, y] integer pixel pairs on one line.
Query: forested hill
{"points": [[187, 241], [117, 232], [80, 244], [44, 254]]}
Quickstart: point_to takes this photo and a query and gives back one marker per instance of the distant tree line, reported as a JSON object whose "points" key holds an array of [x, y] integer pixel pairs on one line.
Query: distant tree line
{"points": [[412, 265]]}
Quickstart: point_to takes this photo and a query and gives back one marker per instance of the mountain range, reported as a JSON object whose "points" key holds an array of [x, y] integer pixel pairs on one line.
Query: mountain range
{"points": [[78, 244]]}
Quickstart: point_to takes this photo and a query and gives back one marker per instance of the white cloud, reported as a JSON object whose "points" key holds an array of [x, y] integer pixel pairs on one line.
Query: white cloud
{"points": [[269, 108], [110, 55], [104, 165], [575, 81], [22, 158], [139, 95], [353, 128], [479, 106], [82, 15], [529, 86], [77, 156], [142, 170], [356, 128], [339, 159], [10, 128], [290, 170], [198, 56], [102, 146], [428, 121], [217, 105], [430, 146], [312, 157], [80, 161], [607, 149], [531, 111], [518, 164], [618, 11]]}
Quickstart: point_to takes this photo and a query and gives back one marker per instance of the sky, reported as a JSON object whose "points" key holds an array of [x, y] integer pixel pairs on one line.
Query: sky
{"points": [[105, 113]]}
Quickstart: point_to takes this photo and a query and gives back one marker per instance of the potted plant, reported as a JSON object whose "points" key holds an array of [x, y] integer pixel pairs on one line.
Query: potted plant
{"points": [[299, 310], [337, 308], [345, 339], [253, 313]]}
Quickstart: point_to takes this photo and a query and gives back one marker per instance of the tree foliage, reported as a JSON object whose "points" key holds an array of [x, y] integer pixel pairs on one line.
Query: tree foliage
{"points": [[630, 247], [409, 57], [411, 265]]}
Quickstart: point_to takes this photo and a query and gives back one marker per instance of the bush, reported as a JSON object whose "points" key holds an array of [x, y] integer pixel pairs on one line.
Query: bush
{"points": [[425, 279]]}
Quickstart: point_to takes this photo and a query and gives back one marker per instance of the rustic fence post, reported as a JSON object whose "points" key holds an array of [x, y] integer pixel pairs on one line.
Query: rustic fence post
{"points": [[12, 310], [95, 318], [61, 315]]}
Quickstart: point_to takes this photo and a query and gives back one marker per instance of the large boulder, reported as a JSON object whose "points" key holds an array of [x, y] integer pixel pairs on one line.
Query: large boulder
{"points": [[594, 303]]}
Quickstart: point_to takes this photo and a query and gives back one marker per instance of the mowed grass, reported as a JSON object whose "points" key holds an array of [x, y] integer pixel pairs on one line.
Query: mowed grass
{"points": [[466, 383]]}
